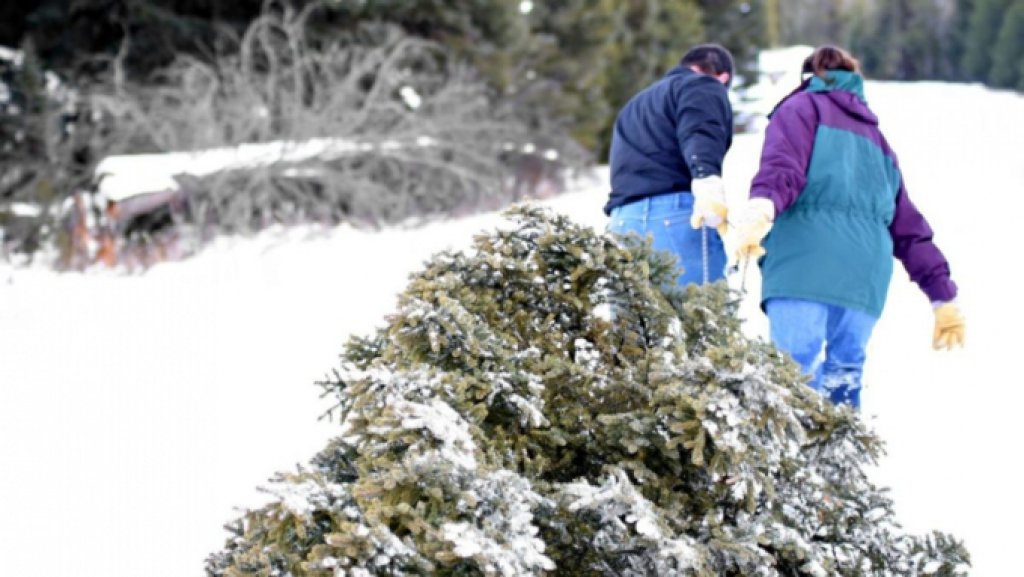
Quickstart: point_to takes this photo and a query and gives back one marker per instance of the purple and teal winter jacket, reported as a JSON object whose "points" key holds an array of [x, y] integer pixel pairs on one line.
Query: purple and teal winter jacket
{"points": [[842, 210]]}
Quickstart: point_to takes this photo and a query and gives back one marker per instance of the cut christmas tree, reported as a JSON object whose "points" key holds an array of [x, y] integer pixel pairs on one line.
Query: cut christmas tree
{"points": [[550, 404]]}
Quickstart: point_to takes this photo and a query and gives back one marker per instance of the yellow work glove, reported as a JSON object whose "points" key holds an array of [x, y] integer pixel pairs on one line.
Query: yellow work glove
{"points": [[752, 225], [949, 326], [709, 208]]}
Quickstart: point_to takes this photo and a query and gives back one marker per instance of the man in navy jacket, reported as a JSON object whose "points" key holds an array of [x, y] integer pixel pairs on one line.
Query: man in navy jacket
{"points": [[666, 163]]}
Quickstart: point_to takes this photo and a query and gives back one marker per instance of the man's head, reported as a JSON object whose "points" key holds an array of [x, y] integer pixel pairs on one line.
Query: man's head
{"points": [[711, 59]]}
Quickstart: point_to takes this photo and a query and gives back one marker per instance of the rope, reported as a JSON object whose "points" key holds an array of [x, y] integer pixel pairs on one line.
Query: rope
{"points": [[704, 252], [733, 268], [743, 277]]}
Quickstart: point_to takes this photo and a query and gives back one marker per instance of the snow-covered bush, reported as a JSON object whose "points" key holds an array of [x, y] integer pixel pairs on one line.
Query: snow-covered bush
{"points": [[547, 405], [373, 126], [46, 156]]}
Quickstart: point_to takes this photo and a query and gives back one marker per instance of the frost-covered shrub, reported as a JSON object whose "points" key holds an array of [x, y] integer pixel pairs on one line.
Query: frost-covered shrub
{"points": [[47, 152], [374, 126], [544, 405]]}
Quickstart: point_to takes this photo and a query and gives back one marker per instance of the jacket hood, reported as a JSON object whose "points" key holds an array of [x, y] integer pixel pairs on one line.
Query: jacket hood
{"points": [[845, 89]]}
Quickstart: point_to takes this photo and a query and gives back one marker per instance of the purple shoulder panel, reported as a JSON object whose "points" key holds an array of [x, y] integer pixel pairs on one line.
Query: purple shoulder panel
{"points": [[789, 141], [845, 111]]}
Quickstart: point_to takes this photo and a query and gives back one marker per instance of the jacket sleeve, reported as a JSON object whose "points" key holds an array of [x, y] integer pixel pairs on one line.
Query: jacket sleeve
{"points": [[913, 246], [703, 128], [788, 143]]}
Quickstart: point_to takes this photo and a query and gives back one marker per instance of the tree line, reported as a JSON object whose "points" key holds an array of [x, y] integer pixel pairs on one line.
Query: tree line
{"points": [[576, 61], [953, 40]]}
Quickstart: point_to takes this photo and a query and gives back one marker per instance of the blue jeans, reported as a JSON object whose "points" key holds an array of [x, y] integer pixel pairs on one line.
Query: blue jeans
{"points": [[666, 219], [802, 328]]}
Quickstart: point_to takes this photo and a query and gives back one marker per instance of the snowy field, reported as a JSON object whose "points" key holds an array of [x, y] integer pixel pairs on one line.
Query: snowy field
{"points": [[138, 412]]}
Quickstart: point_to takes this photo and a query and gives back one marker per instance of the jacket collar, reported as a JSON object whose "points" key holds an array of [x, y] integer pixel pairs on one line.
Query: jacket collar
{"points": [[845, 89], [839, 80], [679, 70]]}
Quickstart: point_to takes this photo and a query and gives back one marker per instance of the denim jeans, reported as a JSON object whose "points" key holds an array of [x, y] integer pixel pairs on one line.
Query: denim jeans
{"points": [[666, 219], [803, 328]]}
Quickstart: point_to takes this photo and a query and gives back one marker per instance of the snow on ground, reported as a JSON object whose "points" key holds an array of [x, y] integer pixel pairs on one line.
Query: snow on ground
{"points": [[138, 411]]}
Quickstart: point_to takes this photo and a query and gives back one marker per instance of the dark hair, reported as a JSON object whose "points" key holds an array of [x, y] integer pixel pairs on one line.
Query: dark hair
{"points": [[826, 58], [711, 59]]}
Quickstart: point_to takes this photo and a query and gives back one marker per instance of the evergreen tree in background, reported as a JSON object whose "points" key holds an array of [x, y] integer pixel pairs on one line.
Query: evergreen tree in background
{"points": [[1020, 73], [22, 145], [22, 123], [956, 40], [492, 34], [650, 38], [543, 60], [811, 22], [12, 21], [862, 32], [929, 28], [739, 26], [543, 405], [983, 30], [82, 38], [904, 40], [572, 41], [43, 161], [773, 23], [1008, 51]]}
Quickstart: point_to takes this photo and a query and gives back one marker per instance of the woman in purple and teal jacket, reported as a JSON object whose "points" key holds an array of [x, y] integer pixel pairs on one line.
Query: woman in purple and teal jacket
{"points": [[831, 207]]}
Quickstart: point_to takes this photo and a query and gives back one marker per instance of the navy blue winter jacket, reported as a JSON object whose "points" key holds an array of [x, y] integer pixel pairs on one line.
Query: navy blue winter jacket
{"points": [[676, 129]]}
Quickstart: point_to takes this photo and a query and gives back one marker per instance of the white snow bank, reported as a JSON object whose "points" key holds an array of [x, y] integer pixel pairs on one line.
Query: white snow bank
{"points": [[128, 175]]}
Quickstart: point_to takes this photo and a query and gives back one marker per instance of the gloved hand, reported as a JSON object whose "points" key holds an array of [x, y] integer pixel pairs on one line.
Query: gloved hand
{"points": [[752, 225], [709, 208], [949, 326]]}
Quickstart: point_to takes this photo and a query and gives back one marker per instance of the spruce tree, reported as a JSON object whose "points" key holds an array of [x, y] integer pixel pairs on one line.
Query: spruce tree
{"points": [[549, 404], [650, 38], [956, 41], [1008, 52], [862, 37], [492, 34], [928, 31], [907, 40], [559, 77], [28, 144], [773, 23], [1020, 75], [46, 145], [887, 59], [542, 64], [983, 28], [814, 21], [740, 27]]}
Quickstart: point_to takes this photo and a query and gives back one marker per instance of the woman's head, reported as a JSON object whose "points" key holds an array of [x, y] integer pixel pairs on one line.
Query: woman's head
{"points": [[827, 58]]}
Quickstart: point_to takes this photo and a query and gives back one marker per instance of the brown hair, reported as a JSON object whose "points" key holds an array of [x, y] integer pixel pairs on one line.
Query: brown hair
{"points": [[827, 58]]}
